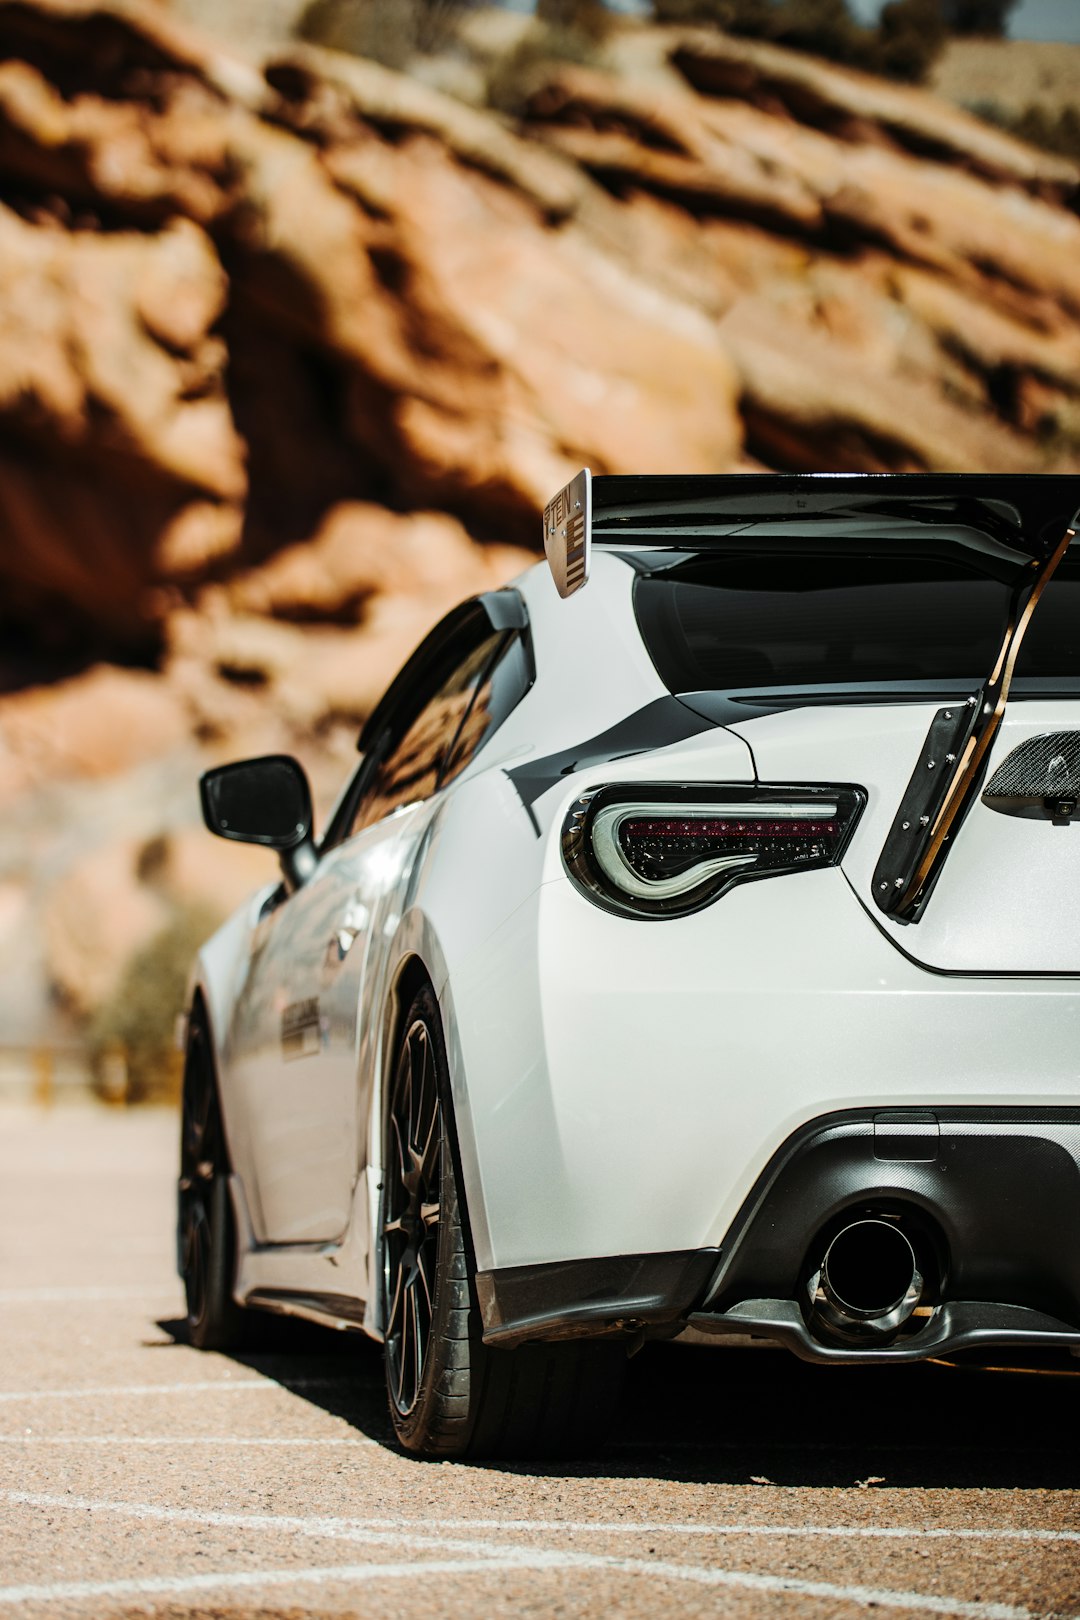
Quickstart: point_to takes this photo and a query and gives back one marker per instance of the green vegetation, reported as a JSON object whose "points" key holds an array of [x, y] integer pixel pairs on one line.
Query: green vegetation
{"points": [[979, 17], [910, 37], [1054, 130], [131, 1036], [513, 78], [589, 19], [387, 31], [904, 45]]}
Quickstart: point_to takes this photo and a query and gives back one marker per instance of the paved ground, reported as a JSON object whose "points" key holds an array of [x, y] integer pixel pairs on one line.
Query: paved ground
{"points": [[137, 1476]]}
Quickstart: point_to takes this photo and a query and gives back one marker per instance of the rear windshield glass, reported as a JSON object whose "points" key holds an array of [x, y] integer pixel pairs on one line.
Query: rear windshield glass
{"points": [[1051, 649], [735, 622]]}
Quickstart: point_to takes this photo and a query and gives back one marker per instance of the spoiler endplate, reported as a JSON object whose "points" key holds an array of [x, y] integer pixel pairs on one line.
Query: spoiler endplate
{"points": [[568, 533], [957, 748]]}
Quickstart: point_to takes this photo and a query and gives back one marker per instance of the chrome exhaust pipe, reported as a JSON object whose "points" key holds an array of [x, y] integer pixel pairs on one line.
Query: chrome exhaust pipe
{"points": [[868, 1282]]}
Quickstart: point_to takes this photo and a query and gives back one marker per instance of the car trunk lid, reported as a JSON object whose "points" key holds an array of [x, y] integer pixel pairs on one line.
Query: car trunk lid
{"points": [[871, 631]]}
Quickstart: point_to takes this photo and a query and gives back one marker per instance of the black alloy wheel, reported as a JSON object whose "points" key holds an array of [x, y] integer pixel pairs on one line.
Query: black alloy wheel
{"points": [[450, 1394], [412, 1205], [206, 1236]]}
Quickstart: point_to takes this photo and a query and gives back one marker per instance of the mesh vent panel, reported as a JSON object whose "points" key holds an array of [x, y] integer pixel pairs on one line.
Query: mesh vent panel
{"points": [[1042, 767]]}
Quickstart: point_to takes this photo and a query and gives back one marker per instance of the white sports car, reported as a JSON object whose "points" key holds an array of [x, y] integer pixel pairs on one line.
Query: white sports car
{"points": [[694, 952]]}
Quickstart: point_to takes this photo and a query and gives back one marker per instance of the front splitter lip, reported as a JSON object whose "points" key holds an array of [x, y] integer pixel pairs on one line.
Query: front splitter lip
{"points": [[956, 1325]]}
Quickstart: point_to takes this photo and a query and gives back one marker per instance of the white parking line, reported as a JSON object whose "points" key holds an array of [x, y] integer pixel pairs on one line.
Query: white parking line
{"points": [[840, 1532], [493, 1555], [342, 1528], [656, 1570], [31, 1439], [180, 1585], [193, 1387]]}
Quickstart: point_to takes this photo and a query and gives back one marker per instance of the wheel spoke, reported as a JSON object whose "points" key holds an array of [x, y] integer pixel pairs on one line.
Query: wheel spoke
{"points": [[187, 1233], [429, 1149], [399, 1152], [411, 1214], [395, 1303], [197, 1097], [422, 1276], [404, 1099], [403, 1350], [426, 1110], [201, 1160], [418, 1060], [196, 1246], [417, 1338]]}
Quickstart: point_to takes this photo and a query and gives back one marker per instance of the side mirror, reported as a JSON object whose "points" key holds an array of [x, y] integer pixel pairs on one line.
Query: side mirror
{"points": [[263, 801]]}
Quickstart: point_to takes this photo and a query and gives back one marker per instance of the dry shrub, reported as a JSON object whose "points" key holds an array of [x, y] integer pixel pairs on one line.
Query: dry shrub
{"points": [[1055, 130], [985, 18], [904, 45], [515, 77], [387, 31], [137, 1024]]}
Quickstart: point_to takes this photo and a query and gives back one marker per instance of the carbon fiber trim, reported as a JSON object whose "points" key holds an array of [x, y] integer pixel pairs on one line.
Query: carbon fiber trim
{"points": [[923, 799], [570, 1299], [962, 1326], [1039, 779]]}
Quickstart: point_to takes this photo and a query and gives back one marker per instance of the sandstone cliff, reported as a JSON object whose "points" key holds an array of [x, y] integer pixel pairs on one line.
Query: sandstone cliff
{"points": [[292, 350]]}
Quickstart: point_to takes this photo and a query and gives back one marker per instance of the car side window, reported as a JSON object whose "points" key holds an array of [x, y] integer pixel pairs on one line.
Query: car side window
{"points": [[416, 762], [502, 685]]}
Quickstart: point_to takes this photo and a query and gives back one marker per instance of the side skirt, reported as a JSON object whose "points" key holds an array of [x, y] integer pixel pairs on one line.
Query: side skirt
{"points": [[321, 1282], [625, 1293], [328, 1310]]}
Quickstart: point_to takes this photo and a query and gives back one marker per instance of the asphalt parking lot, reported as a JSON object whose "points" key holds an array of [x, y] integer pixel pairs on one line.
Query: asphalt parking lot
{"points": [[140, 1477]]}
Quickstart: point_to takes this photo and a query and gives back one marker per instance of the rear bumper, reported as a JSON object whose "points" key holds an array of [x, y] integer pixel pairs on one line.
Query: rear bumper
{"points": [[620, 1086], [989, 1198]]}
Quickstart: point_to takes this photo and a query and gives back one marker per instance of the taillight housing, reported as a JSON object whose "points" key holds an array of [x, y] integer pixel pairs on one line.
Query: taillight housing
{"points": [[652, 850]]}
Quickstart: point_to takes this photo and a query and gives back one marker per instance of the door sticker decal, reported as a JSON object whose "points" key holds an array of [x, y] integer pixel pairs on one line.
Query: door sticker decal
{"points": [[300, 1034]]}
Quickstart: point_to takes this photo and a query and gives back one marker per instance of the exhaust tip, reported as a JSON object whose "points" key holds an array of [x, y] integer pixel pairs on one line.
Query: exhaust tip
{"points": [[868, 1282]]}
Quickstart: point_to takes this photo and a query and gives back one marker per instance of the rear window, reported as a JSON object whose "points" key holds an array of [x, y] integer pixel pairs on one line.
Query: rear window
{"points": [[1051, 649], [747, 623]]}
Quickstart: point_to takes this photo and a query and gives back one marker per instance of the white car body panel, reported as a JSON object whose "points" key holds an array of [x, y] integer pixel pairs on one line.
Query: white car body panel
{"points": [[780, 1002], [298, 1127], [618, 1084], [1006, 899]]}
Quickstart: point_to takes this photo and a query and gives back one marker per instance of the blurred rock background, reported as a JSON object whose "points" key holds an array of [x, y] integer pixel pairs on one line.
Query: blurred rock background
{"points": [[306, 306]]}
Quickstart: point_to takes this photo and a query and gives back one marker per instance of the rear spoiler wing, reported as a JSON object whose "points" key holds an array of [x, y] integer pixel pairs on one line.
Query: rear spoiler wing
{"points": [[1028, 521], [1019, 515]]}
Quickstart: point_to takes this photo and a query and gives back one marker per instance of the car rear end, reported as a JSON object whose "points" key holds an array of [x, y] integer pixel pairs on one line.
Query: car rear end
{"points": [[844, 1116]]}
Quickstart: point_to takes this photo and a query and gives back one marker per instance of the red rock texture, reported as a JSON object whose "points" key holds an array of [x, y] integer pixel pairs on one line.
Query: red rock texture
{"points": [[235, 297], [98, 724], [293, 351]]}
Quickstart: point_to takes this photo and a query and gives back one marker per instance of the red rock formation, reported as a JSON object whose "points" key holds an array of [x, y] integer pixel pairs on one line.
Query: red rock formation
{"points": [[292, 354], [236, 298]]}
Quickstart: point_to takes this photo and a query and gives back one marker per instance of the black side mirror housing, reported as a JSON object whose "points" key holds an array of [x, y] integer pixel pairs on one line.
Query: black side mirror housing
{"points": [[264, 801]]}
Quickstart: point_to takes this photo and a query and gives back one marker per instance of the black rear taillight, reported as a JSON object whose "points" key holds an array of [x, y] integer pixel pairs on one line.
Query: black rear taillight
{"points": [[658, 851]]}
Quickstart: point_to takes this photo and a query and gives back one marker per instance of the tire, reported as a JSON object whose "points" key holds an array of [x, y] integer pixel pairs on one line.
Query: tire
{"points": [[450, 1395], [206, 1234]]}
